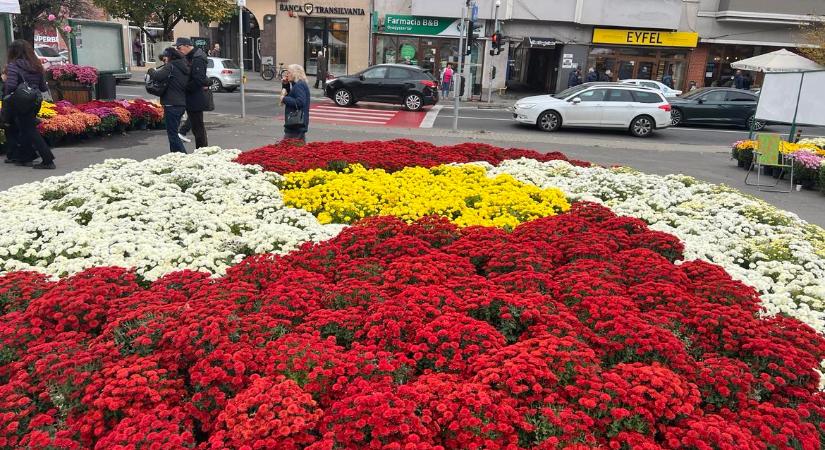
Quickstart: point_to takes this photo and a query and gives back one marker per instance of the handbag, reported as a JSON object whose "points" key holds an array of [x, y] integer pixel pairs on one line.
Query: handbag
{"points": [[294, 119]]}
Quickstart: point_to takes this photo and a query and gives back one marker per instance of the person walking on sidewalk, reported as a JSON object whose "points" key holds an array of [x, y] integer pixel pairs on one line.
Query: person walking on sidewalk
{"points": [[592, 75], [20, 111], [216, 51], [196, 100], [175, 72], [321, 72], [575, 78], [446, 80], [296, 104], [137, 51]]}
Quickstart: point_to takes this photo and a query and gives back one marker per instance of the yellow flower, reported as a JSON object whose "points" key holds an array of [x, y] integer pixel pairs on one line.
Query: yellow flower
{"points": [[465, 195]]}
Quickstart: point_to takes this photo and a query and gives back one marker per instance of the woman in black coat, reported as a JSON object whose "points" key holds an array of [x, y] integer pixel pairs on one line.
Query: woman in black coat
{"points": [[296, 100], [175, 72], [23, 140]]}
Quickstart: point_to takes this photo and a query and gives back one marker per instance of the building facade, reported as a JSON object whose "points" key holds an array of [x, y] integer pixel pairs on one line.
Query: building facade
{"points": [[731, 30]]}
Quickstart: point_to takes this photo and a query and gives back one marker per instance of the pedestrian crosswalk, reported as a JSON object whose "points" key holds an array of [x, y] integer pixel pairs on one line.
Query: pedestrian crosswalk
{"points": [[376, 115]]}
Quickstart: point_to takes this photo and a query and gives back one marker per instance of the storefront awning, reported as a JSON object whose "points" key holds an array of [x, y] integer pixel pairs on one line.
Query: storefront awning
{"points": [[9, 6], [539, 42]]}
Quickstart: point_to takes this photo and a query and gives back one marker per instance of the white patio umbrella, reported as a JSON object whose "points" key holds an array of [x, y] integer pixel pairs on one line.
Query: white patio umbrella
{"points": [[778, 61]]}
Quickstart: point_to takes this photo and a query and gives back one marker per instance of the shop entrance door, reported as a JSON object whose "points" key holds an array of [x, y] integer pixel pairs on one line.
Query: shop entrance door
{"points": [[541, 70], [636, 69]]}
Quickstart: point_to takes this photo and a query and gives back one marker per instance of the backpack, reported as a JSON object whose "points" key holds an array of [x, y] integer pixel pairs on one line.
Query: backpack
{"points": [[157, 87]]}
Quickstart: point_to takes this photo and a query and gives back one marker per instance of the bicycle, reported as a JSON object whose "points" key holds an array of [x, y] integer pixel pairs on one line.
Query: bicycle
{"points": [[268, 71]]}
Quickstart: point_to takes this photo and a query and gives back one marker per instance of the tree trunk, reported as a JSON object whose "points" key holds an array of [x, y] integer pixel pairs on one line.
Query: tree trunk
{"points": [[168, 35], [26, 32]]}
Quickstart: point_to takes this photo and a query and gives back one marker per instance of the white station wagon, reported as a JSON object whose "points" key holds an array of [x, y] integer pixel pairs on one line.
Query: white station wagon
{"points": [[597, 105]]}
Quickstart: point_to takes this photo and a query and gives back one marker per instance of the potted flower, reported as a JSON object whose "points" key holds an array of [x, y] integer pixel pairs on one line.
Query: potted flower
{"points": [[806, 167], [72, 82]]}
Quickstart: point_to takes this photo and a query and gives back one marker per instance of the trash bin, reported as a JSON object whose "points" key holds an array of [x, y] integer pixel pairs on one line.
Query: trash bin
{"points": [[106, 86]]}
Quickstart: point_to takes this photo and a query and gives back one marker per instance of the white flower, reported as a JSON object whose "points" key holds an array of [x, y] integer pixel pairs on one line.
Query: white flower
{"points": [[200, 211]]}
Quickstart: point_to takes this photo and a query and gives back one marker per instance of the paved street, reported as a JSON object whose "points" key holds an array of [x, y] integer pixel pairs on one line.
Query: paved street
{"points": [[473, 117]]}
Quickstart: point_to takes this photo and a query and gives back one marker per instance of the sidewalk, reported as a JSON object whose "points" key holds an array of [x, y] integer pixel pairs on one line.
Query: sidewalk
{"points": [[257, 85]]}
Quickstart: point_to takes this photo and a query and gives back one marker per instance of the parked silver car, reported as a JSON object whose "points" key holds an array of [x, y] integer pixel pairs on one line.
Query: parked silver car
{"points": [[224, 74]]}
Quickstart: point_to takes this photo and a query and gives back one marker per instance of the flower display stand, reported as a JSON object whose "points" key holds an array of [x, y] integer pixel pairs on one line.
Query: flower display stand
{"points": [[73, 91]]}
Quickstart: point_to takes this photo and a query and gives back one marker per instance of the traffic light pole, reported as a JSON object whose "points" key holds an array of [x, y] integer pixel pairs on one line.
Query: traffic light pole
{"points": [[496, 44], [462, 49], [241, 4]]}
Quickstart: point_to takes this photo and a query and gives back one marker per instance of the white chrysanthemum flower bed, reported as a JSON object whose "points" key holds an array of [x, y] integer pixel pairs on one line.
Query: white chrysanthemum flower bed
{"points": [[199, 211], [780, 255]]}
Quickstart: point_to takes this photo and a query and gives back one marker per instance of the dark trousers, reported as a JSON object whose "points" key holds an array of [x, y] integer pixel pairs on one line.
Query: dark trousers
{"points": [[195, 119], [292, 135], [138, 58], [23, 141], [172, 114]]}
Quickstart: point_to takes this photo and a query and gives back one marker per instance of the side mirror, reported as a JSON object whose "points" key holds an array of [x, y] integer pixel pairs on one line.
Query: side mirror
{"points": [[576, 101], [361, 77], [701, 101]]}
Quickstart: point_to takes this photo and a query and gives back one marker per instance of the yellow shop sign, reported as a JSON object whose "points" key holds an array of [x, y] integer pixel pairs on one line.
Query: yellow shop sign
{"points": [[645, 37]]}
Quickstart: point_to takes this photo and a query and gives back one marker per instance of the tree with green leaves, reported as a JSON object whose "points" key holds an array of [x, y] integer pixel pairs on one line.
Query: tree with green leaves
{"points": [[167, 13], [34, 13], [814, 35]]}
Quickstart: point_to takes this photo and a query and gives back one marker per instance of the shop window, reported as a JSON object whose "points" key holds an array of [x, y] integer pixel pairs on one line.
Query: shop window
{"points": [[386, 48], [329, 35], [408, 50]]}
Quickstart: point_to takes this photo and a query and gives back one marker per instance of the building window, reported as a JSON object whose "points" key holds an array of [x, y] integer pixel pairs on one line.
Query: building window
{"points": [[639, 63], [330, 35]]}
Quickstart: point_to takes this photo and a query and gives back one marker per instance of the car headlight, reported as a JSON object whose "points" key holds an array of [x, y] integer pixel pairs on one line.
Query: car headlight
{"points": [[525, 105]]}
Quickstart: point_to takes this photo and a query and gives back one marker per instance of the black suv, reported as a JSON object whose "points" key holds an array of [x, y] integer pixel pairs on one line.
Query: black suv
{"points": [[409, 86]]}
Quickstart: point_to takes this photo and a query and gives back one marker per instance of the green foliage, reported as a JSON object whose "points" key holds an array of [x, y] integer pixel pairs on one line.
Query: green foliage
{"points": [[168, 13]]}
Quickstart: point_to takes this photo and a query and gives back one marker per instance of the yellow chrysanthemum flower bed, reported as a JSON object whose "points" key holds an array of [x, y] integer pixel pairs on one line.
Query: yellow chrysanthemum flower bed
{"points": [[464, 194]]}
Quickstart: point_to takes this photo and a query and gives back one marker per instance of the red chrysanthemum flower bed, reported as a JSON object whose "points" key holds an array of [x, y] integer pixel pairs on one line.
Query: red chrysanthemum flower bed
{"points": [[574, 331], [295, 156]]}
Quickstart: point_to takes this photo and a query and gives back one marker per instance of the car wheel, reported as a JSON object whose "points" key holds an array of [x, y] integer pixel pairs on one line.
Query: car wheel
{"points": [[343, 97], [215, 85], [642, 126], [755, 125], [413, 102], [549, 121], [676, 117]]}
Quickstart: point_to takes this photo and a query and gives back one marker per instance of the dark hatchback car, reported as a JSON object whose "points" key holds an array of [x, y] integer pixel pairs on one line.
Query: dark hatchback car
{"points": [[410, 86], [716, 106]]}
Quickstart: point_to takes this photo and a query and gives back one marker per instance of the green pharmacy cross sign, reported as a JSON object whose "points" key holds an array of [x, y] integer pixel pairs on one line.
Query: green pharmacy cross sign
{"points": [[420, 25]]}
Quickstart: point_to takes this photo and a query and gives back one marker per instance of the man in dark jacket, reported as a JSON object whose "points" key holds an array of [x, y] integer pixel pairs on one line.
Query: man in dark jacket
{"points": [[592, 76], [739, 80], [175, 72], [321, 71], [575, 78], [196, 95]]}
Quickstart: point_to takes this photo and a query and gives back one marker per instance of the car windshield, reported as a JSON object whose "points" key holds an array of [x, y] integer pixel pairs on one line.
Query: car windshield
{"points": [[570, 91], [229, 64], [48, 52]]}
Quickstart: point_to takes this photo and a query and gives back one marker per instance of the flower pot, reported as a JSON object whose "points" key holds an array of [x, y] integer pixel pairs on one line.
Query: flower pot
{"points": [[72, 91]]}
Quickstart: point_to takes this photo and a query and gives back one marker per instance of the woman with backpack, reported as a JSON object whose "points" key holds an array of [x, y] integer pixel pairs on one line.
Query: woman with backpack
{"points": [[174, 76], [24, 81]]}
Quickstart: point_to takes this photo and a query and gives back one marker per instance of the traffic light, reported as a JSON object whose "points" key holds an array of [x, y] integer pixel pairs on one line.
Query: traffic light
{"points": [[471, 38], [497, 41]]}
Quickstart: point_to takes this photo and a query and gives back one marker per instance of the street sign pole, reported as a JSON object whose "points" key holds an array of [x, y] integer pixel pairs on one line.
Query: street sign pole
{"points": [[461, 51], [241, 4]]}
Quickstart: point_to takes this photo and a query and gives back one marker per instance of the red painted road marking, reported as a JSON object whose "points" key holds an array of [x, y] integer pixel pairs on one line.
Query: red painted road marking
{"points": [[375, 115]]}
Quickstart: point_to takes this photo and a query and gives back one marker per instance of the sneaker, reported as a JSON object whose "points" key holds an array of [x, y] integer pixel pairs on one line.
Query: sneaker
{"points": [[23, 163], [184, 138], [48, 166]]}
